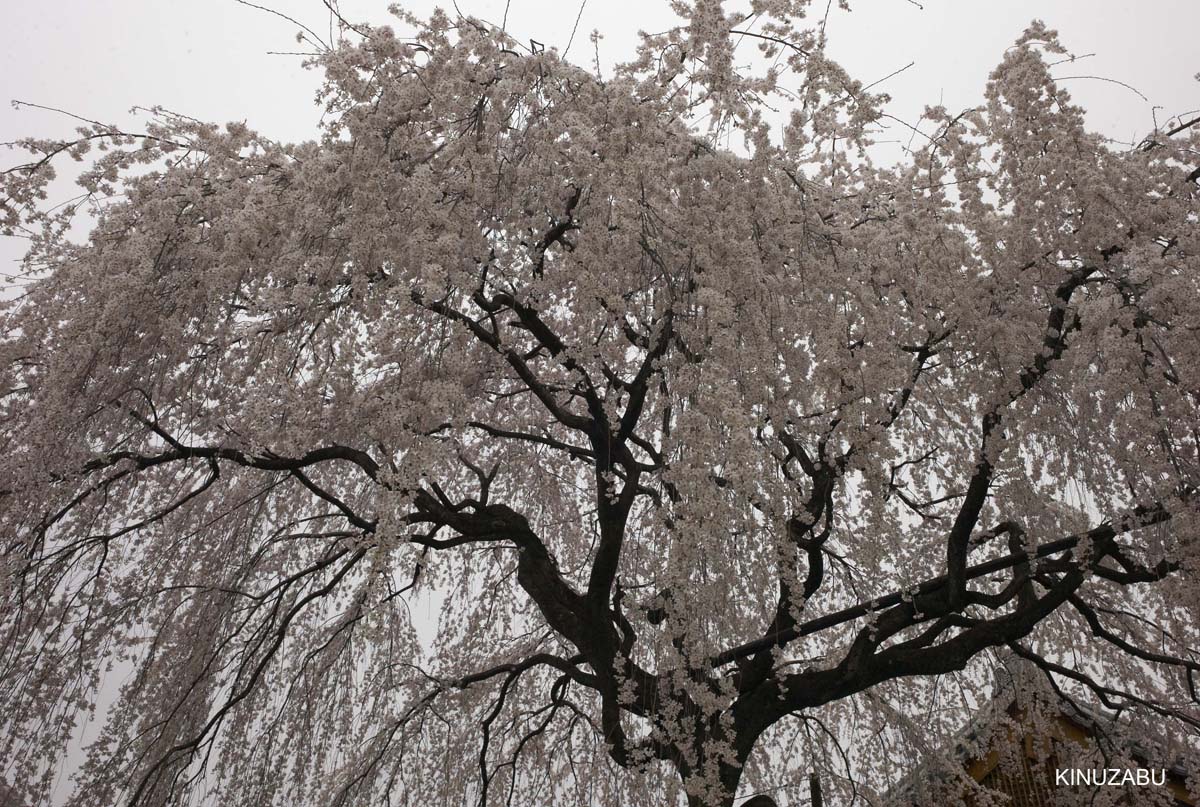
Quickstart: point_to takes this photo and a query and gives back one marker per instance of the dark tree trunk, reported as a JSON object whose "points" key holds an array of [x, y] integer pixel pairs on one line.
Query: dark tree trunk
{"points": [[760, 801]]}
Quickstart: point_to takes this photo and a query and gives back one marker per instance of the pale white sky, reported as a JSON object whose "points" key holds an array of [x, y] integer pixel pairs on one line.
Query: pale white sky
{"points": [[209, 59]]}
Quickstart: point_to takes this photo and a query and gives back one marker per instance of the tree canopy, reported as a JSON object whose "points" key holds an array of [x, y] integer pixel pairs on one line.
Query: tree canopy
{"points": [[726, 455]]}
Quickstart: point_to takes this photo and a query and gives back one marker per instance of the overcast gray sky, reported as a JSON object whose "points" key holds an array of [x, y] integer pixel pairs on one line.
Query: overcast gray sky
{"points": [[220, 60], [211, 60]]}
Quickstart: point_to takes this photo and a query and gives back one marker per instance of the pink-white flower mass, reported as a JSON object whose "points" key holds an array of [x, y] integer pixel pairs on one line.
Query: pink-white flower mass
{"points": [[726, 458]]}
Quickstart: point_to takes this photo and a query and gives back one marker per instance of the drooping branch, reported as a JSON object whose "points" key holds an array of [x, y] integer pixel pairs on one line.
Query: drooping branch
{"points": [[1141, 517], [1054, 344]]}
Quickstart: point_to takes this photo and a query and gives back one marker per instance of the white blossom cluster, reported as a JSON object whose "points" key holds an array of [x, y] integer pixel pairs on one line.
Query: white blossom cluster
{"points": [[716, 465]]}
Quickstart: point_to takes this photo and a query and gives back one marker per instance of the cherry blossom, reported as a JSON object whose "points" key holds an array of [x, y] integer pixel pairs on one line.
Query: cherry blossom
{"points": [[722, 455]]}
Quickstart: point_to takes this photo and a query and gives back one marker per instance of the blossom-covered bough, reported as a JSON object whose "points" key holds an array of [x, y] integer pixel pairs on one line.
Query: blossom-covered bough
{"points": [[723, 455]]}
